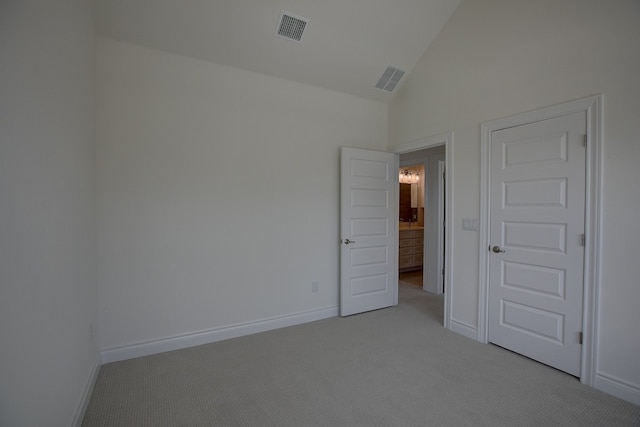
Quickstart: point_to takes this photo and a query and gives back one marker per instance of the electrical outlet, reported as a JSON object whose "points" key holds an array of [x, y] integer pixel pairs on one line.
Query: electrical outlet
{"points": [[314, 286]]}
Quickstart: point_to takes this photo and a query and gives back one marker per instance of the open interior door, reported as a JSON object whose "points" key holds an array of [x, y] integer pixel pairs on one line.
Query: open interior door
{"points": [[369, 229]]}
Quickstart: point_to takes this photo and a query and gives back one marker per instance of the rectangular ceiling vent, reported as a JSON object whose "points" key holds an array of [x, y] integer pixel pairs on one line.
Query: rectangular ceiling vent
{"points": [[291, 26], [390, 79]]}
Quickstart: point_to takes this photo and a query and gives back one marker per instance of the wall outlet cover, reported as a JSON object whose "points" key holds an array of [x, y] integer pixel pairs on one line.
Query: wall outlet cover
{"points": [[470, 224]]}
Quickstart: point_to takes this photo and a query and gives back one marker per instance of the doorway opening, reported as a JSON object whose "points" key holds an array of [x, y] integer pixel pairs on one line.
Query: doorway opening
{"points": [[430, 226], [411, 222], [421, 239]]}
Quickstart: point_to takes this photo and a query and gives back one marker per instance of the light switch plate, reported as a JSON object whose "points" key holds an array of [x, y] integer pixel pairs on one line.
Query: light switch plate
{"points": [[470, 224]]}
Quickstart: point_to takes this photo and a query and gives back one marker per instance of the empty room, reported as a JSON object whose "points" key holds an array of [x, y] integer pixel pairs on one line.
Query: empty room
{"points": [[201, 212]]}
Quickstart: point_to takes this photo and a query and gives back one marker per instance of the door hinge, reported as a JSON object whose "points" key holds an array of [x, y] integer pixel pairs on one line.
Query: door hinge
{"points": [[583, 240], [584, 141], [580, 337]]}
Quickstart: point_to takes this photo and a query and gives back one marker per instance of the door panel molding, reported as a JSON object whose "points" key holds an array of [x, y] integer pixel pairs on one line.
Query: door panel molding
{"points": [[593, 106], [368, 230]]}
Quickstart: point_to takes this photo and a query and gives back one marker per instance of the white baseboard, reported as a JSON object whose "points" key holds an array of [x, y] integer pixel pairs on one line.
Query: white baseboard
{"points": [[463, 329], [618, 388], [212, 335], [86, 394]]}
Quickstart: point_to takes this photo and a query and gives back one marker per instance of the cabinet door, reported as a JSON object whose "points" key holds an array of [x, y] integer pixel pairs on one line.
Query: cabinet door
{"points": [[404, 243], [407, 250], [417, 260], [406, 261]]}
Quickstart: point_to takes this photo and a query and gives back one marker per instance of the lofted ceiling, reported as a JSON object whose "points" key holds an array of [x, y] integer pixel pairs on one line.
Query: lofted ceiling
{"points": [[346, 45]]}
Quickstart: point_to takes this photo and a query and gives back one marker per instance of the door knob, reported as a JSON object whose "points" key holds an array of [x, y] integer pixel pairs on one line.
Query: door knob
{"points": [[347, 241], [497, 249]]}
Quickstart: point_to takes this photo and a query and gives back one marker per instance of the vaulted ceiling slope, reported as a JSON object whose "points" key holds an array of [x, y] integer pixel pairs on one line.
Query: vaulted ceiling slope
{"points": [[346, 45]]}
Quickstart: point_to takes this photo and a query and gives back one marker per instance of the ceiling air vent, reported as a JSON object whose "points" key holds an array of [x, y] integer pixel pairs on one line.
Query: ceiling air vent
{"points": [[390, 79], [291, 26]]}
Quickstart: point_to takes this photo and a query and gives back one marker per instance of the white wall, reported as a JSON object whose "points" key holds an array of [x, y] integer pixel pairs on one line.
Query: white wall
{"points": [[48, 297], [499, 57], [217, 196]]}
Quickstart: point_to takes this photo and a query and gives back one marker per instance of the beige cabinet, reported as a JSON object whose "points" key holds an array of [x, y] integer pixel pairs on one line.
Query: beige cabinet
{"points": [[411, 248]]}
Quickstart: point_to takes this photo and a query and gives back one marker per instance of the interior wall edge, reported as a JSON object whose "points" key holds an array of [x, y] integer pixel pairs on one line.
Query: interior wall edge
{"points": [[87, 392]]}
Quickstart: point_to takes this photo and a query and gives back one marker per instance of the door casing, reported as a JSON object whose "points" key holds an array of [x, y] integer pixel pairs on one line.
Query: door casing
{"points": [[593, 106], [442, 211]]}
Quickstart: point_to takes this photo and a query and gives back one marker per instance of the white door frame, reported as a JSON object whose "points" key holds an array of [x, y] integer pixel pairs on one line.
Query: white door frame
{"points": [[593, 106], [445, 139], [442, 168]]}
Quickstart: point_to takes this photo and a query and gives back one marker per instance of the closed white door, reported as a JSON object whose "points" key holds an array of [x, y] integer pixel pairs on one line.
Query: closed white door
{"points": [[368, 227], [537, 208]]}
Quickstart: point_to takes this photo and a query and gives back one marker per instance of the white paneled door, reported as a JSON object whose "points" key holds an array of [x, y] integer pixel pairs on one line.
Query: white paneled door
{"points": [[368, 228], [536, 262]]}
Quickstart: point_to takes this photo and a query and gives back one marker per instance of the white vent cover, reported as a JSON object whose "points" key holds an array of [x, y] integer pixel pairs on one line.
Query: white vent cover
{"points": [[390, 79], [291, 26]]}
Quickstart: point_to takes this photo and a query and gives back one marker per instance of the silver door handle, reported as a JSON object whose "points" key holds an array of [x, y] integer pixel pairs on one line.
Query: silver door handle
{"points": [[347, 241], [497, 249]]}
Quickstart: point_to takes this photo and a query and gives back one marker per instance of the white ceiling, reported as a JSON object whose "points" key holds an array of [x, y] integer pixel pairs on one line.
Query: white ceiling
{"points": [[346, 46]]}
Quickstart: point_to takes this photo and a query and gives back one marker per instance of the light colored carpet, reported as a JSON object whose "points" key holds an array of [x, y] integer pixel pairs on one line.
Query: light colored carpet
{"points": [[391, 367]]}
